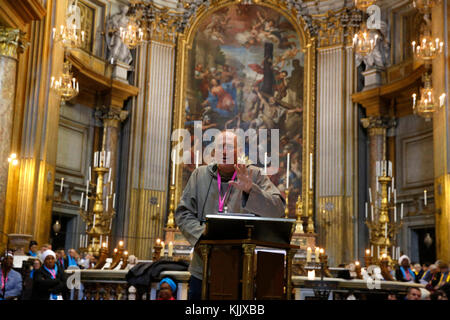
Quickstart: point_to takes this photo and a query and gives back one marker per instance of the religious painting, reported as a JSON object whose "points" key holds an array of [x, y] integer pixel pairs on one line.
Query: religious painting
{"points": [[246, 70]]}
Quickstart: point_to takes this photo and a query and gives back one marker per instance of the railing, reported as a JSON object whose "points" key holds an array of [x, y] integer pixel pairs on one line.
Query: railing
{"points": [[111, 285]]}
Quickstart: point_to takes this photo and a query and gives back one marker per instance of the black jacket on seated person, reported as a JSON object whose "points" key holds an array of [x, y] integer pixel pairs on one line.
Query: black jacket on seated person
{"points": [[44, 285]]}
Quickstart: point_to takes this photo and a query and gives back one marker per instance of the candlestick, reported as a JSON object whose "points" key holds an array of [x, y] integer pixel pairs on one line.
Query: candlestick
{"points": [[287, 170], [173, 167], [308, 254], [316, 254], [310, 170], [170, 249], [62, 185]]}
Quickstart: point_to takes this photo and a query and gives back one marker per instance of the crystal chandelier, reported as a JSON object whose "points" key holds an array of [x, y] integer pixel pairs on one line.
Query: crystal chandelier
{"points": [[364, 41], [363, 4], [132, 35], [427, 49], [426, 106], [70, 37], [66, 86]]}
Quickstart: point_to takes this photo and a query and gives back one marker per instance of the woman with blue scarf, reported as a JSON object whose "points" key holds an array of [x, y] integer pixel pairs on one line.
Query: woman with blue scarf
{"points": [[167, 288], [404, 273]]}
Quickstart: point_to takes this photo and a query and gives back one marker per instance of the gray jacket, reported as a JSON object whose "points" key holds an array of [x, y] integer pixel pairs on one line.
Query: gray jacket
{"points": [[196, 202]]}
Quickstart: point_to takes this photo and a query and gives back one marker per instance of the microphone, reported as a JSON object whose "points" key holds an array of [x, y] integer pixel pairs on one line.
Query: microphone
{"points": [[202, 216]]}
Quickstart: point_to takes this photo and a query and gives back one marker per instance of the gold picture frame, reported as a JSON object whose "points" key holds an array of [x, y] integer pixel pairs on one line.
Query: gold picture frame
{"points": [[308, 43]]}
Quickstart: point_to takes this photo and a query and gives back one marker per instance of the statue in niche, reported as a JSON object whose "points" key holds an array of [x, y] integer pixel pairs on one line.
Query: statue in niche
{"points": [[380, 55], [117, 49]]}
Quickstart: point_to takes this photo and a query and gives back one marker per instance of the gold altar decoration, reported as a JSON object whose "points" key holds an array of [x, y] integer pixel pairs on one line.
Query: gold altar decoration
{"points": [[12, 42], [66, 85], [364, 4], [425, 6], [299, 214], [384, 222], [97, 217], [190, 17]]}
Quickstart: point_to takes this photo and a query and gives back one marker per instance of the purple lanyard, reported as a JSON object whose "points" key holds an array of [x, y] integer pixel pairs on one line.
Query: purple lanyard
{"points": [[4, 281], [52, 271], [219, 186]]}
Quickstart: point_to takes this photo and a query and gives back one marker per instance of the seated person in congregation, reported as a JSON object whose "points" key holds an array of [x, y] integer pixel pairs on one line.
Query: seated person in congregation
{"points": [[212, 188], [11, 280]]}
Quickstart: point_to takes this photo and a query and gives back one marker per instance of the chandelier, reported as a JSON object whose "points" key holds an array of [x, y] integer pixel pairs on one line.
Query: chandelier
{"points": [[70, 37], [66, 86], [426, 106], [132, 35], [363, 4], [427, 49], [364, 41]]}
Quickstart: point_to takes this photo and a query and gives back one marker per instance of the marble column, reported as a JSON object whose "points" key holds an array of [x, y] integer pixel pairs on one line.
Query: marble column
{"points": [[10, 44], [111, 124], [377, 129]]}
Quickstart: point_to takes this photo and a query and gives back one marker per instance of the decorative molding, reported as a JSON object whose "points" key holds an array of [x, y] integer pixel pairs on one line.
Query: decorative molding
{"points": [[19, 13]]}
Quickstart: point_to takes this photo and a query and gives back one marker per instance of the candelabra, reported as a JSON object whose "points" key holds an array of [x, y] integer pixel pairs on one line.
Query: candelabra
{"points": [[383, 223], [286, 209], [299, 214], [98, 218], [66, 85]]}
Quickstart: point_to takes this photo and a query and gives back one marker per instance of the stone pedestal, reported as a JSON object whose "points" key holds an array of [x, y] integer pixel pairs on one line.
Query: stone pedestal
{"points": [[373, 78], [120, 71]]}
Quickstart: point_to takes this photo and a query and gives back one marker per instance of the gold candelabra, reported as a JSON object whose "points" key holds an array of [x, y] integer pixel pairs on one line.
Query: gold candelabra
{"points": [[98, 217], [286, 210], [384, 223], [299, 214], [310, 227]]}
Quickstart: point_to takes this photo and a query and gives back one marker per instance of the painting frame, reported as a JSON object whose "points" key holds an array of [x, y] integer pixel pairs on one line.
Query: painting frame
{"points": [[308, 43]]}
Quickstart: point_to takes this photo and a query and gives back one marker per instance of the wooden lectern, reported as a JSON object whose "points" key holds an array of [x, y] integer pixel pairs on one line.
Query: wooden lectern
{"points": [[235, 268]]}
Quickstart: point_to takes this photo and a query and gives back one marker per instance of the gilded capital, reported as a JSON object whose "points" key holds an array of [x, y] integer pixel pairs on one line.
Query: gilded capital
{"points": [[111, 117], [378, 125], [11, 42]]}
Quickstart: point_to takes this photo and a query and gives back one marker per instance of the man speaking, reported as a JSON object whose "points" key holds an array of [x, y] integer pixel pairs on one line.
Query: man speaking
{"points": [[221, 187]]}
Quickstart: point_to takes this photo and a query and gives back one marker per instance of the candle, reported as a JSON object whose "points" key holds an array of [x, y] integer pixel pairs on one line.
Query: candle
{"points": [[378, 250], [395, 196], [111, 189], [321, 252], [425, 197], [110, 224], [310, 170], [371, 213], [93, 223], [371, 250], [109, 175], [89, 173], [101, 238], [367, 210], [316, 254], [170, 249], [108, 160], [389, 194], [398, 252], [197, 155], [107, 202], [395, 214], [163, 247], [287, 170], [86, 238], [308, 254], [86, 204], [114, 201], [173, 167], [81, 239], [393, 184], [87, 188], [393, 252], [121, 244], [401, 212], [265, 163], [312, 275], [81, 201], [62, 185], [367, 252], [158, 241], [107, 239], [370, 195]]}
